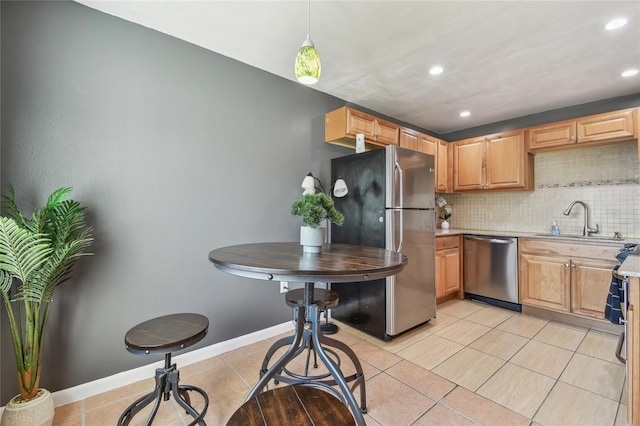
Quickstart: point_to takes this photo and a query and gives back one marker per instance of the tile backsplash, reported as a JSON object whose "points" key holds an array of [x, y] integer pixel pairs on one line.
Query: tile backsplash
{"points": [[605, 178]]}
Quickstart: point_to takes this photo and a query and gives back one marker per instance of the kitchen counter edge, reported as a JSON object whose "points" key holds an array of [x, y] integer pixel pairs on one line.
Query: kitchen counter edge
{"points": [[517, 234]]}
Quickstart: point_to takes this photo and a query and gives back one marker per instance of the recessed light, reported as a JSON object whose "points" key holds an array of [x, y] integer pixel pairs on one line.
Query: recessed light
{"points": [[465, 114], [615, 24], [629, 73], [435, 70]]}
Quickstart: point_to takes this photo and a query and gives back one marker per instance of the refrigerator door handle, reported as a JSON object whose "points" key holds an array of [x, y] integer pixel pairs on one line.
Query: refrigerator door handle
{"points": [[401, 230], [401, 185]]}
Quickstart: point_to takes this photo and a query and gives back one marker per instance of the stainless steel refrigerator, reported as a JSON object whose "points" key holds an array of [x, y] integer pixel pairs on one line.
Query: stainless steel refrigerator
{"points": [[390, 204]]}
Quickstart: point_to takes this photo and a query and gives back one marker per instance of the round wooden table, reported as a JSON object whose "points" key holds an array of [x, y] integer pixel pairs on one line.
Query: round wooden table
{"points": [[335, 263]]}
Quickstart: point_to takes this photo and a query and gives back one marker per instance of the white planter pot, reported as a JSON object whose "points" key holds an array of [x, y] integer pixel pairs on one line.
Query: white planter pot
{"points": [[35, 412], [312, 239], [444, 224]]}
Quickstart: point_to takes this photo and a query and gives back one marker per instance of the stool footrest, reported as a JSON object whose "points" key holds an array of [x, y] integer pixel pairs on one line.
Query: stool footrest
{"points": [[166, 385]]}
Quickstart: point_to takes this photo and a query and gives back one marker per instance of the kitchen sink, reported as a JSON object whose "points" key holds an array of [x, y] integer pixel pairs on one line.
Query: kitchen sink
{"points": [[579, 237]]}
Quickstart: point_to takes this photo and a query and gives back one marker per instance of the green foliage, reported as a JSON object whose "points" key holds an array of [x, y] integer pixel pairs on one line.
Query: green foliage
{"points": [[314, 208], [36, 255]]}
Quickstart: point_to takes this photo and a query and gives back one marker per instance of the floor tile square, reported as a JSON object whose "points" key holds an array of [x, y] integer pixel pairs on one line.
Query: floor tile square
{"points": [[569, 405], [563, 336], [459, 308], [600, 345], [542, 358], [439, 415], [499, 343], [372, 354], [430, 351], [421, 379], [518, 389], [463, 331], [595, 375], [482, 410], [469, 368], [523, 325], [383, 394], [491, 317]]}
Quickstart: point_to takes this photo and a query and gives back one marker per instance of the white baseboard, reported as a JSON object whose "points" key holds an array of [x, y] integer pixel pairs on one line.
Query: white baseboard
{"points": [[85, 390]]}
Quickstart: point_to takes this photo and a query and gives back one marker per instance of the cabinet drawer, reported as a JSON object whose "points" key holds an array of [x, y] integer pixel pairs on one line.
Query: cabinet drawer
{"points": [[452, 241]]}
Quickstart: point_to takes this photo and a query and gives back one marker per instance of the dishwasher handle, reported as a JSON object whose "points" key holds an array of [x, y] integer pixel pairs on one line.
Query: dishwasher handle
{"points": [[492, 240]]}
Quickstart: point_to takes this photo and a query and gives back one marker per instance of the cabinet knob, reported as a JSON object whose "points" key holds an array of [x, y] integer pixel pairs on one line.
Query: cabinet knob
{"points": [[566, 265]]}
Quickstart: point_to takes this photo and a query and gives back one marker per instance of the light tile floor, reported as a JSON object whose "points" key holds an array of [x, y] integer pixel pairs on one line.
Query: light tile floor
{"points": [[473, 365]]}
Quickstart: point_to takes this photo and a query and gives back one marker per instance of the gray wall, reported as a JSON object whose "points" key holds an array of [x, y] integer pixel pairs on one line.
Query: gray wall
{"points": [[175, 151]]}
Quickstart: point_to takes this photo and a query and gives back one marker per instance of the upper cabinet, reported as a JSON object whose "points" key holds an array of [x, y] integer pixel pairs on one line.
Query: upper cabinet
{"points": [[492, 162], [593, 130], [444, 170], [417, 141], [343, 124]]}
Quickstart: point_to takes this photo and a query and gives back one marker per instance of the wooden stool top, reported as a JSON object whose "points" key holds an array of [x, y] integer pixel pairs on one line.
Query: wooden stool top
{"points": [[324, 299], [166, 334], [292, 405]]}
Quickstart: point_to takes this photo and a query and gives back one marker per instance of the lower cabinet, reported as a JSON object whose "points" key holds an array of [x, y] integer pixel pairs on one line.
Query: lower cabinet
{"points": [[565, 276], [448, 267]]}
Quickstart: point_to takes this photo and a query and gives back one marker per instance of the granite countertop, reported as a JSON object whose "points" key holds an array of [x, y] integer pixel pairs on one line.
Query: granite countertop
{"points": [[630, 267], [597, 239]]}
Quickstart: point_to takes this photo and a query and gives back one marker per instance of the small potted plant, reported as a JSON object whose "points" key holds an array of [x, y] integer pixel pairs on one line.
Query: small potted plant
{"points": [[314, 209], [37, 254], [445, 210]]}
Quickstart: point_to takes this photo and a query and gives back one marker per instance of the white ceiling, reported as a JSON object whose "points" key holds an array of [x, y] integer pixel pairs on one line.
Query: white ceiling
{"points": [[501, 59]]}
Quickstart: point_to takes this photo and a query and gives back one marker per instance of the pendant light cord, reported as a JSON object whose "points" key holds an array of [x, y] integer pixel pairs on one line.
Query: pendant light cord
{"points": [[309, 22]]}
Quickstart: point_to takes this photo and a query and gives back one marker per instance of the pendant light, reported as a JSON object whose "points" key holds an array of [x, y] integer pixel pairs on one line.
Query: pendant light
{"points": [[307, 66]]}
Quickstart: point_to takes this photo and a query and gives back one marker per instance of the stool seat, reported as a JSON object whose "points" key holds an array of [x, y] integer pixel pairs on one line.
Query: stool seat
{"points": [[324, 299], [166, 334], [292, 405]]}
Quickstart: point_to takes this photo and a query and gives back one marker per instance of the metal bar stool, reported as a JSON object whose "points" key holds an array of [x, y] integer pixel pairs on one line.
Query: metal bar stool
{"points": [[323, 299], [164, 335]]}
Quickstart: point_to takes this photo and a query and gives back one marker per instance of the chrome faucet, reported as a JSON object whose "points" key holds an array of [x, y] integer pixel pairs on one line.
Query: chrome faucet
{"points": [[586, 231]]}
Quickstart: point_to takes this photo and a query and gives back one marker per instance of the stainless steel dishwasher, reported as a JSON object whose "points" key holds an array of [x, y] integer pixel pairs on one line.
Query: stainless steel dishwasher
{"points": [[491, 270]]}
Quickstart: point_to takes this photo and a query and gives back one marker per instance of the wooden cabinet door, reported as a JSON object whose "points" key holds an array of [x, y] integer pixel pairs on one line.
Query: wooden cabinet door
{"points": [[562, 133], [448, 265], [545, 282], [506, 161], [409, 139], [590, 281], [610, 126], [441, 270], [428, 145], [359, 122], [386, 132], [469, 164], [443, 175], [451, 266]]}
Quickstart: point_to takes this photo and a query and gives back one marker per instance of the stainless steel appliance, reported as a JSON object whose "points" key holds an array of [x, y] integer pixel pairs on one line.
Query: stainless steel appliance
{"points": [[491, 270], [390, 204]]}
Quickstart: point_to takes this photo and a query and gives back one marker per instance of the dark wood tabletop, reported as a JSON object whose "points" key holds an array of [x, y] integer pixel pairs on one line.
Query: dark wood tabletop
{"points": [[287, 262]]}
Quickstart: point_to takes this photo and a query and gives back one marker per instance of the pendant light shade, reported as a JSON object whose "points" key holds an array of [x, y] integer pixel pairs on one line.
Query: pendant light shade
{"points": [[307, 66], [308, 63]]}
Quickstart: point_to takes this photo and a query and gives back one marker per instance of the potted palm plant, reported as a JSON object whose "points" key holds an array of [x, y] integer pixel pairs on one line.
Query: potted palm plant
{"points": [[314, 209], [37, 254]]}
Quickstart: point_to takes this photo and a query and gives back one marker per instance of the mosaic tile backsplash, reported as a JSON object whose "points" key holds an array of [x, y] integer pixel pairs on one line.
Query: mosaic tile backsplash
{"points": [[605, 178]]}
